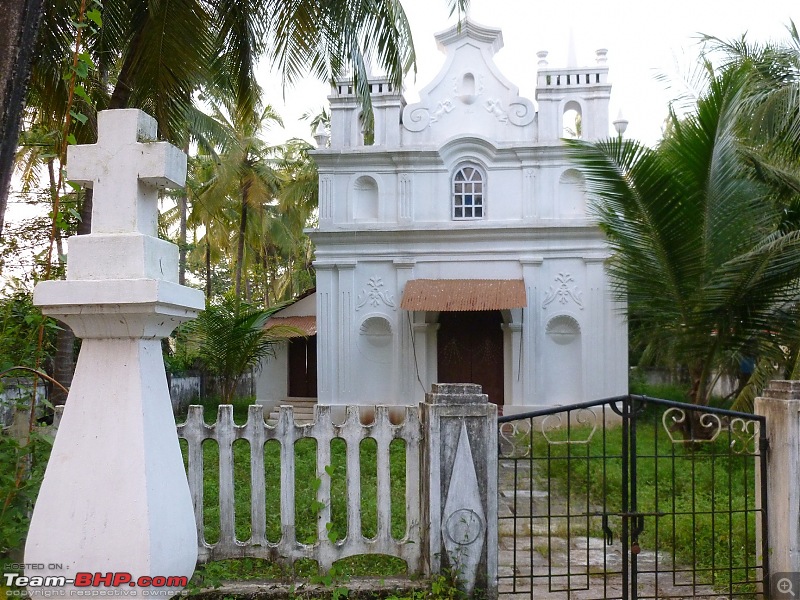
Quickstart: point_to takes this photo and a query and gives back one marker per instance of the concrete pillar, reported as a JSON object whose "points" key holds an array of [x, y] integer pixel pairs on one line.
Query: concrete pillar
{"points": [[115, 498], [780, 404], [460, 476]]}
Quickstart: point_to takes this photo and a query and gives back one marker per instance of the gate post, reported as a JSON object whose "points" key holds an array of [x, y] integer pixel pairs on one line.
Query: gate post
{"points": [[460, 485], [780, 405]]}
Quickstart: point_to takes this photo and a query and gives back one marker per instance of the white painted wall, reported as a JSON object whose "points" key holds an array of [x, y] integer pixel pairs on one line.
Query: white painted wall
{"points": [[272, 382]]}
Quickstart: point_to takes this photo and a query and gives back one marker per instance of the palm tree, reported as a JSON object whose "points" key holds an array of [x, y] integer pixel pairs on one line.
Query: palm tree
{"points": [[243, 170], [705, 250], [773, 94], [286, 251], [231, 338]]}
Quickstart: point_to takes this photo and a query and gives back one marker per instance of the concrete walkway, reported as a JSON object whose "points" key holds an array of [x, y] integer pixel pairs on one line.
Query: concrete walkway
{"points": [[556, 557]]}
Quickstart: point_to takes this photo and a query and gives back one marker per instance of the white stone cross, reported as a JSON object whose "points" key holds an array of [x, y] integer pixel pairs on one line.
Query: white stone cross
{"points": [[114, 497], [125, 172]]}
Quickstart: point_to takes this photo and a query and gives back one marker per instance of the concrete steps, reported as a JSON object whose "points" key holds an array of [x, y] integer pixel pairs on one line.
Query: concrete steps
{"points": [[303, 409]]}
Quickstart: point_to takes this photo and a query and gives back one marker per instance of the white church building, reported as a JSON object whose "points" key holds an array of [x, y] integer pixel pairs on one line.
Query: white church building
{"points": [[456, 246]]}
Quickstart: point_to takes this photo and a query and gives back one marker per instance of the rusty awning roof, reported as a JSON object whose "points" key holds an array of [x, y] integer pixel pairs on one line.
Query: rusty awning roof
{"points": [[308, 325], [464, 294]]}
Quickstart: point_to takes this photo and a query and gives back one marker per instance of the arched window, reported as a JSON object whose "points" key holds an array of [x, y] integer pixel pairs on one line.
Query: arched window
{"points": [[572, 125], [468, 193], [365, 199]]}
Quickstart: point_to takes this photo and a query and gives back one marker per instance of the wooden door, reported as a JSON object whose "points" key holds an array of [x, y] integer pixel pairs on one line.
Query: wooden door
{"points": [[470, 350], [303, 367]]}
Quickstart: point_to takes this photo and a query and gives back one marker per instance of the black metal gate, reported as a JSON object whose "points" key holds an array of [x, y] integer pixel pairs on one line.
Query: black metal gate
{"points": [[633, 497]]}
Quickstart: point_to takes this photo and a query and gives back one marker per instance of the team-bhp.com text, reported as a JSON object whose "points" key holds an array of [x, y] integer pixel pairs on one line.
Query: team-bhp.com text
{"points": [[94, 580]]}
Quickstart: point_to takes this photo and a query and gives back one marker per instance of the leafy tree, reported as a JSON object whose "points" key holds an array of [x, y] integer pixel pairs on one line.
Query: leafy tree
{"points": [[19, 326], [706, 249]]}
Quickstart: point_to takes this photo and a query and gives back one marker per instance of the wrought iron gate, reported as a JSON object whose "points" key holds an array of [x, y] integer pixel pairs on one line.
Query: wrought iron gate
{"points": [[633, 497]]}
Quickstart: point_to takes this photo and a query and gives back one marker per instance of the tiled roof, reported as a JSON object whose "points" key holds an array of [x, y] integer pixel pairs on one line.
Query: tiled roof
{"points": [[463, 294]]}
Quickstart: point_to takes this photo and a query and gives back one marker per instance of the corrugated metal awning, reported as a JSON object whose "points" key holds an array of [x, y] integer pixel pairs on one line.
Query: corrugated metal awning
{"points": [[308, 325], [464, 294]]}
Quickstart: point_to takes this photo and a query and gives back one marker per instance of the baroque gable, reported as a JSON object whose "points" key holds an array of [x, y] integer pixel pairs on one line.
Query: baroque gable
{"points": [[469, 96]]}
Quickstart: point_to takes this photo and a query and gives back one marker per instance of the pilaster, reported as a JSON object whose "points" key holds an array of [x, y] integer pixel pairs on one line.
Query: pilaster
{"points": [[344, 355], [327, 332], [531, 362]]}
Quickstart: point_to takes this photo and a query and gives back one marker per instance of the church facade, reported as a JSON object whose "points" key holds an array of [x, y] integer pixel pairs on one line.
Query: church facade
{"points": [[455, 246]]}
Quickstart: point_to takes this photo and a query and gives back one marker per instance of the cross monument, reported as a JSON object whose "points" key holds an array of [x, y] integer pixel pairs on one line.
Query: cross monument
{"points": [[115, 498]]}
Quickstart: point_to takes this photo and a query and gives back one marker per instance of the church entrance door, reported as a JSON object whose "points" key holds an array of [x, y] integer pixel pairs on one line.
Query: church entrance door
{"points": [[470, 350]]}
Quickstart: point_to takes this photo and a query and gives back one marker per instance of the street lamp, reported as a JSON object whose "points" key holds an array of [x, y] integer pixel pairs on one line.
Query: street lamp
{"points": [[620, 124]]}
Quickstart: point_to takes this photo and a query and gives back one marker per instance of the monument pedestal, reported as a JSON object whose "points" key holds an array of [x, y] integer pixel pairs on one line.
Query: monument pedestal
{"points": [[115, 498]]}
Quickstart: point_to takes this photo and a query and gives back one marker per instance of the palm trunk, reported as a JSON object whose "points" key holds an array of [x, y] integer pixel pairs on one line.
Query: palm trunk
{"points": [[182, 203], [123, 89], [208, 268], [240, 245], [63, 364], [19, 22], [51, 173]]}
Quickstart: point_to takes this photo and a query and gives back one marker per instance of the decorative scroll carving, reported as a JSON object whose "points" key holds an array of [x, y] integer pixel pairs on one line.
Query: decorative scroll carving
{"points": [[416, 117], [563, 292], [373, 294], [521, 112]]}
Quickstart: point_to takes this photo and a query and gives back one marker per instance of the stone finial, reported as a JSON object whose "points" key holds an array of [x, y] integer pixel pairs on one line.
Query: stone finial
{"points": [[602, 56], [126, 171], [321, 135], [542, 56]]}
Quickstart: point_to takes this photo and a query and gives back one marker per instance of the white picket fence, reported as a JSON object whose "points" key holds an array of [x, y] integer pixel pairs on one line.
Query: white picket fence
{"points": [[288, 549]]}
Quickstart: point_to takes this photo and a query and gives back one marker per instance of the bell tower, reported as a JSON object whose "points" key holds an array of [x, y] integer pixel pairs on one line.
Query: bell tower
{"points": [[573, 101], [347, 126]]}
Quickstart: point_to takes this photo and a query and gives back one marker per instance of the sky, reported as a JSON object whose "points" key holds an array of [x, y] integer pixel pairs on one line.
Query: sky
{"points": [[643, 38]]}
